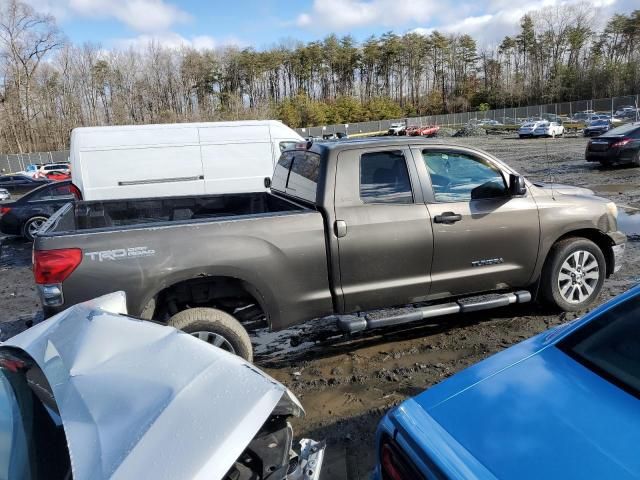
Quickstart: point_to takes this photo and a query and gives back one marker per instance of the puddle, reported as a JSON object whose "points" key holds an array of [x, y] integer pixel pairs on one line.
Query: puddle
{"points": [[629, 223], [614, 188]]}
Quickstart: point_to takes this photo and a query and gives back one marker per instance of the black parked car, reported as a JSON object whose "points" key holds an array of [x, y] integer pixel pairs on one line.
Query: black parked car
{"points": [[597, 127], [617, 146], [26, 215], [19, 184]]}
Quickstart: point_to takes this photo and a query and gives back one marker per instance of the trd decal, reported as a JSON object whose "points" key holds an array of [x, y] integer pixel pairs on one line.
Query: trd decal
{"points": [[120, 254]]}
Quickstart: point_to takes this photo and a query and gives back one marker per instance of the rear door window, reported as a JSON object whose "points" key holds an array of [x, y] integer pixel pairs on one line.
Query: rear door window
{"points": [[384, 178], [297, 173]]}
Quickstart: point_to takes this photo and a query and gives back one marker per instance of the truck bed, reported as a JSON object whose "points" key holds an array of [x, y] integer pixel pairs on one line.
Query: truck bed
{"points": [[143, 246], [117, 214]]}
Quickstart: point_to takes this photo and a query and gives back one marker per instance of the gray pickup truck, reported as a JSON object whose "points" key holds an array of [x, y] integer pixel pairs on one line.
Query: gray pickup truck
{"points": [[366, 233]]}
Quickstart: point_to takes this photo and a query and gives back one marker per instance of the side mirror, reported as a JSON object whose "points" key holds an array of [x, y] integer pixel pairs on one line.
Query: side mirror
{"points": [[267, 182], [517, 186]]}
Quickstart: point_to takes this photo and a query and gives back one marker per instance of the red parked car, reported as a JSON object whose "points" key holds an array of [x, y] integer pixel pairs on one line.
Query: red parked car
{"points": [[429, 130], [57, 175], [425, 131]]}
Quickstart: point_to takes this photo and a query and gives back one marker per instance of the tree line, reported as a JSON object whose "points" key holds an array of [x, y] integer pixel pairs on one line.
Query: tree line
{"points": [[50, 85]]}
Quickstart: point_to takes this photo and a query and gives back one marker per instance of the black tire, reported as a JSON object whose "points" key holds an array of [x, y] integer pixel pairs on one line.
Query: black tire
{"points": [[31, 225], [210, 325], [577, 288], [521, 136], [635, 161]]}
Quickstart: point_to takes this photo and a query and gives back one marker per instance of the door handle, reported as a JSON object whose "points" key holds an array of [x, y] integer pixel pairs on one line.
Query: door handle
{"points": [[447, 218], [340, 228]]}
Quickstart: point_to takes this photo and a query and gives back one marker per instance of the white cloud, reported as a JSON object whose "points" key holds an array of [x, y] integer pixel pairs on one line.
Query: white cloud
{"points": [[502, 17], [340, 15], [140, 15], [176, 41], [148, 16], [488, 22]]}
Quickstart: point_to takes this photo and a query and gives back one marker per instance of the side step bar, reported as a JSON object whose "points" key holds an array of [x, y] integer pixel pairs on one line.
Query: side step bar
{"points": [[353, 323]]}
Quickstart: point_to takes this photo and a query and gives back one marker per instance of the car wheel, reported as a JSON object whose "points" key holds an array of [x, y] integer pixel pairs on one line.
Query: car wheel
{"points": [[215, 327], [32, 226], [573, 274], [636, 159]]}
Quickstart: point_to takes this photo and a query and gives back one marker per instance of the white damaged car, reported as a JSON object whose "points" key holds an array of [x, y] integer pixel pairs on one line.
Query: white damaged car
{"points": [[94, 394], [527, 129], [549, 129]]}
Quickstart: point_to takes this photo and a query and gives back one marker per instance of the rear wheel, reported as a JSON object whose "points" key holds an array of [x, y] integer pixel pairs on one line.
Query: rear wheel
{"points": [[215, 327], [573, 274], [636, 159], [32, 226]]}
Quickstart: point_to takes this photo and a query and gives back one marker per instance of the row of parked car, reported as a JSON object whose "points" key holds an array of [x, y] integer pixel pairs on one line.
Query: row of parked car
{"points": [[350, 230]]}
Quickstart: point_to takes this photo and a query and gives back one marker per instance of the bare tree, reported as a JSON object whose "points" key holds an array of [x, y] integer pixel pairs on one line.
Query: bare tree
{"points": [[26, 37]]}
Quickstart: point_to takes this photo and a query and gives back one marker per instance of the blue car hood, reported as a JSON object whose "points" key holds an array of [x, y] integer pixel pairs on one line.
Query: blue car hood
{"points": [[528, 412]]}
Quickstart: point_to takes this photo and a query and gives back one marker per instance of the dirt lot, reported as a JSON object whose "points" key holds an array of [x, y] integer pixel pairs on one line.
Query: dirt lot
{"points": [[347, 386]]}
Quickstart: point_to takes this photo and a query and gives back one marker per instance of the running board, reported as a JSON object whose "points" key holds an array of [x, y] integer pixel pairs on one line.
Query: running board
{"points": [[353, 323]]}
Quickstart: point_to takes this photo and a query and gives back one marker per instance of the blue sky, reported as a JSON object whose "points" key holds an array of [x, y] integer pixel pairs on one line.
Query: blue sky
{"points": [[263, 23]]}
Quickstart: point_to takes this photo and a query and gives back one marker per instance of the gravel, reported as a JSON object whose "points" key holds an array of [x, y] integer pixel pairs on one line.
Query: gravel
{"points": [[346, 386]]}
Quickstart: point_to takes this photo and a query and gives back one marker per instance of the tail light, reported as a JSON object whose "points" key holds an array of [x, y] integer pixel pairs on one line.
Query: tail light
{"points": [[54, 266], [395, 465], [621, 143], [4, 210], [75, 191]]}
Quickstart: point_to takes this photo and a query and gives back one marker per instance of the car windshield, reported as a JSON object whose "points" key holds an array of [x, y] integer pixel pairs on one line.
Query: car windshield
{"points": [[610, 345], [624, 129], [600, 122], [32, 439]]}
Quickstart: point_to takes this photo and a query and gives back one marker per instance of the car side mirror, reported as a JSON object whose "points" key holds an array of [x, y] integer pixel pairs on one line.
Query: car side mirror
{"points": [[517, 186], [267, 182]]}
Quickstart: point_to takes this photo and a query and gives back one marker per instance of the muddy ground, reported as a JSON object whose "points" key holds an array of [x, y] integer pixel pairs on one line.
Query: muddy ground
{"points": [[347, 386]]}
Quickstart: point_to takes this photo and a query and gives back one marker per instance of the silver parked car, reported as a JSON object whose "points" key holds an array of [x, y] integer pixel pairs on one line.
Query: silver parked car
{"points": [[91, 394], [4, 194]]}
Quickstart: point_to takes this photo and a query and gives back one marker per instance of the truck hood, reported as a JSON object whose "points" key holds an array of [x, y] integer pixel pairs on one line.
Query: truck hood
{"points": [[126, 387], [564, 189], [546, 416]]}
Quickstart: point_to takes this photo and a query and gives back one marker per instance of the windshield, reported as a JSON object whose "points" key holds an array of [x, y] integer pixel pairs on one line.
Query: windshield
{"points": [[32, 440], [600, 122], [624, 129], [610, 345]]}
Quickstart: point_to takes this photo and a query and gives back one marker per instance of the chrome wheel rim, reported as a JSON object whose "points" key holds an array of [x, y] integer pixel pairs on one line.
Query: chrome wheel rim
{"points": [[34, 226], [578, 277], [214, 339]]}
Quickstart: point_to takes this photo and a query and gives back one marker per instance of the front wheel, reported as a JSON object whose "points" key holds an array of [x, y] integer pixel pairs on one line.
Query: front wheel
{"points": [[215, 327], [32, 226], [573, 274]]}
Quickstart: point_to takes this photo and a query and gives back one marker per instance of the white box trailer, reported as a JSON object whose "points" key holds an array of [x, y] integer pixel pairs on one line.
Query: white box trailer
{"points": [[142, 161]]}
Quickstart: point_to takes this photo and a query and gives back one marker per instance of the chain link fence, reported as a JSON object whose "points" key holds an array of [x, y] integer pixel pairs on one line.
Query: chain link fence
{"points": [[565, 111], [17, 162], [506, 116]]}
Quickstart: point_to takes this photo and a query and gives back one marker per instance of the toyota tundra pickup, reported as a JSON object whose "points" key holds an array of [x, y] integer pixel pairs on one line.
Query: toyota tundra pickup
{"points": [[364, 233]]}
